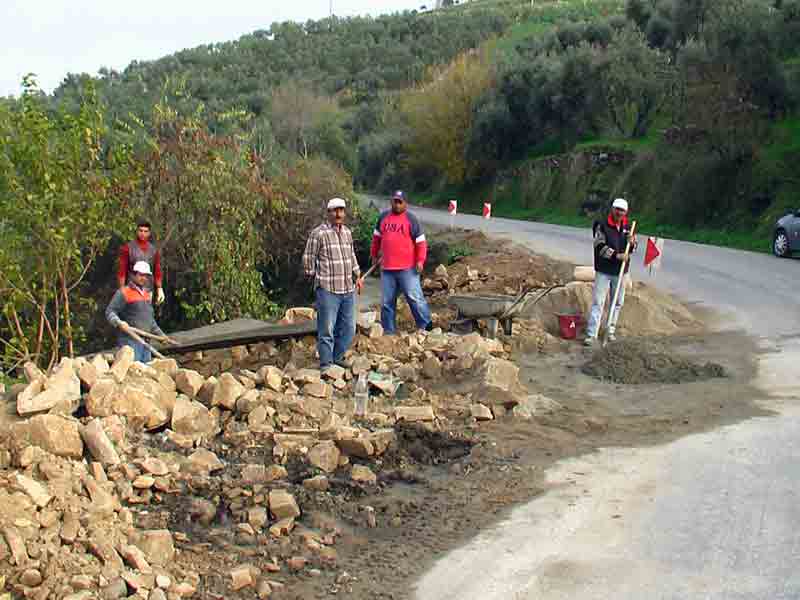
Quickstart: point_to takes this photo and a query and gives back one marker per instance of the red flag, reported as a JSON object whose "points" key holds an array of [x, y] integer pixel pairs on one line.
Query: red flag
{"points": [[487, 210], [652, 252], [452, 207]]}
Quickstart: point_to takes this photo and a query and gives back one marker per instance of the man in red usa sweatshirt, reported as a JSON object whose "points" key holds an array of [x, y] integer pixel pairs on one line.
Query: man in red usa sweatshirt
{"points": [[399, 242]]}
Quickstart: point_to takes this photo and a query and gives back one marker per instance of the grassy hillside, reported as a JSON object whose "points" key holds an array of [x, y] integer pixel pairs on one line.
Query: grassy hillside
{"points": [[705, 169]]}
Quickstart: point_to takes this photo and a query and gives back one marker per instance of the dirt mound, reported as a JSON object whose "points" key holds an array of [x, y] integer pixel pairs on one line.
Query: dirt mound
{"points": [[641, 361], [647, 311]]}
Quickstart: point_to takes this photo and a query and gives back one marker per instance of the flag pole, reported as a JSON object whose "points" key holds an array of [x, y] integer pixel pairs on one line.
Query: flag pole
{"points": [[620, 281]]}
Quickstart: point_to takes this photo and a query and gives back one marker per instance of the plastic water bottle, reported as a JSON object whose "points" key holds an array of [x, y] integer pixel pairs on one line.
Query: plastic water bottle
{"points": [[361, 396]]}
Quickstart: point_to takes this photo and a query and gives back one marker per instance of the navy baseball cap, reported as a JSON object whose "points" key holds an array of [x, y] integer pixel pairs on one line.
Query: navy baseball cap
{"points": [[399, 195]]}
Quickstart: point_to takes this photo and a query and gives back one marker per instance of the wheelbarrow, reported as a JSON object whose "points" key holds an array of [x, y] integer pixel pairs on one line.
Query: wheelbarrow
{"points": [[496, 309]]}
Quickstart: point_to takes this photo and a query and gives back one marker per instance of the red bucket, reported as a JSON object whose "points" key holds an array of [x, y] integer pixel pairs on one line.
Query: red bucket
{"points": [[569, 325]]}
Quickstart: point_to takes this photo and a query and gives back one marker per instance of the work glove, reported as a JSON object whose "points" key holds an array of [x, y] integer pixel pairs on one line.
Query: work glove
{"points": [[159, 295], [420, 267]]}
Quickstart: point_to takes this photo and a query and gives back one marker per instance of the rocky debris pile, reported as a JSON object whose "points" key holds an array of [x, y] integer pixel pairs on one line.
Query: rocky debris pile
{"points": [[119, 473], [503, 272]]}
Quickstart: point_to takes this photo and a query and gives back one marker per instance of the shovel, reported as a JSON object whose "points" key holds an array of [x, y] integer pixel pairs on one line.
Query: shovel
{"points": [[132, 333]]}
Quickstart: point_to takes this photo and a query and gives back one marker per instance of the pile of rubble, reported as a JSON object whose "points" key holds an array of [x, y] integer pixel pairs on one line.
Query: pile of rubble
{"points": [[118, 474], [503, 272]]}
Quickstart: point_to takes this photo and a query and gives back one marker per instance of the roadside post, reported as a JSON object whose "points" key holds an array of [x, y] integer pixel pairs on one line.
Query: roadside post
{"points": [[452, 209]]}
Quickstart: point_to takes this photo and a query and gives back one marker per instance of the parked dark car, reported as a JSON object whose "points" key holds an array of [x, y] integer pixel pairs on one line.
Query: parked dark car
{"points": [[787, 235]]}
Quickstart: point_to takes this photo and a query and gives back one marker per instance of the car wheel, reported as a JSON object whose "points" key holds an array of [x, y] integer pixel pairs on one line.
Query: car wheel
{"points": [[780, 244]]}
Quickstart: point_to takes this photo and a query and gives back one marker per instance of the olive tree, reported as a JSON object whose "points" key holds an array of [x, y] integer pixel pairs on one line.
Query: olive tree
{"points": [[637, 82]]}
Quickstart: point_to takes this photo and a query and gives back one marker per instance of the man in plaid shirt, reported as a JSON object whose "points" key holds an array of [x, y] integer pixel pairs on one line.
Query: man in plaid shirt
{"points": [[330, 260]]}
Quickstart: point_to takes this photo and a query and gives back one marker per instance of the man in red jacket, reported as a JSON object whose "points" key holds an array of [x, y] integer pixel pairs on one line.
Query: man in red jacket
{"points": [[141, 249], [399, 240]]}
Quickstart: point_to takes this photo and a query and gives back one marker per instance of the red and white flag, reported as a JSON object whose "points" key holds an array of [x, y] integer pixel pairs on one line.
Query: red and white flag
{"points": [[653, 253], [452, 208], [487, 210]]}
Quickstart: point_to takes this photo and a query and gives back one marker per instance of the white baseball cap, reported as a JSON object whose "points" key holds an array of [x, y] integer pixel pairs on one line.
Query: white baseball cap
{"points": [[142, 267], [620, 203], [335, 203]]}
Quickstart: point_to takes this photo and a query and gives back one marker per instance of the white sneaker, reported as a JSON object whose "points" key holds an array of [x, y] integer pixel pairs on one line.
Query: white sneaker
{"points": [[589, 342], [611, 337]]}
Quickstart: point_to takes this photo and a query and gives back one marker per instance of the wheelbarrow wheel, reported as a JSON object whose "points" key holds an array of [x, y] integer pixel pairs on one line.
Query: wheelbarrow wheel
{"points": [[508, 326]]}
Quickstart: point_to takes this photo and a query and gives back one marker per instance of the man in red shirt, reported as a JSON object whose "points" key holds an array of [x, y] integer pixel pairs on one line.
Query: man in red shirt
{"points": [[400, 242], [141, 249]]}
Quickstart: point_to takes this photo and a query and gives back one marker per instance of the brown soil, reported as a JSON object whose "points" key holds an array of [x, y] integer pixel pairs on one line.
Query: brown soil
{"points": [[637, 361]]}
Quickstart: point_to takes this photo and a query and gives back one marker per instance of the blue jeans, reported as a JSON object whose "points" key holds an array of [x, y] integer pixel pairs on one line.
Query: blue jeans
{"points": [[141, 353], [602, 285], [336, 325], [406, 281]]}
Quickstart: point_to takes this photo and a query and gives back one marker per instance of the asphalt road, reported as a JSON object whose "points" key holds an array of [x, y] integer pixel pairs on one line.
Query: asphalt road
{"points": [[711, 516]]}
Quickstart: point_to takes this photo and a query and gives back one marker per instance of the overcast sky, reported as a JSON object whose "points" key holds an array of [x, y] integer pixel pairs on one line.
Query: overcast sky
{"points": [[54, 37]]}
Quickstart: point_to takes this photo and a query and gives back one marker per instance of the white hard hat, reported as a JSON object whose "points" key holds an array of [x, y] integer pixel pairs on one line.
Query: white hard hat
{"points": [[335, 203], [142, 267], [620, 203]]}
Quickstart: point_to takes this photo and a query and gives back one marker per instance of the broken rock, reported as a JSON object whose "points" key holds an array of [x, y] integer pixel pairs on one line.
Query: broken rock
{"points": [[432, 368], [189, 382], [360, 447], [500, 374], [203, 461], [98, 400], [31, 578], [481, 412], [157, 545], [293, 315], [536, 404], [25, 399], [168, 366], [191, 418], [62, 387], [227, 391], [155, 466], [333, 372], [412, 414], [325, 456], [363, 474], [318, 484], [123, 360], [257, 516], [16, 544], [272, 377], [58, 435], [88, 374], [243, 576], [318, 390], [98, 443], [282, 504], [37, 491]]}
